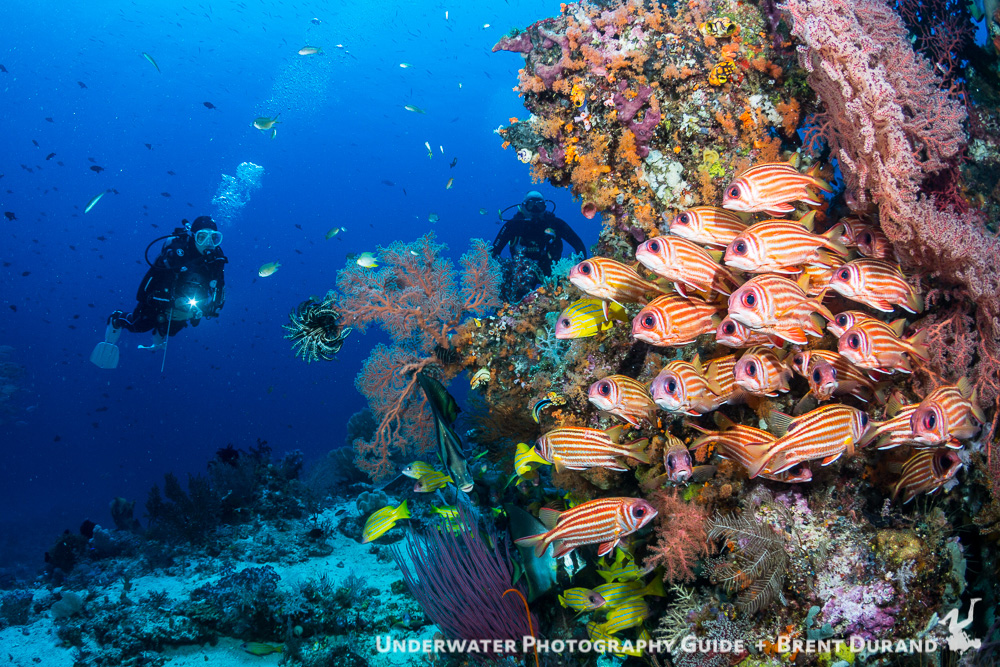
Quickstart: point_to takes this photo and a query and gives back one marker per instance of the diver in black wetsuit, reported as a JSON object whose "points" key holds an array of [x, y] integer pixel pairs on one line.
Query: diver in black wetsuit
{"points": [[535, 233], [183, 285]]}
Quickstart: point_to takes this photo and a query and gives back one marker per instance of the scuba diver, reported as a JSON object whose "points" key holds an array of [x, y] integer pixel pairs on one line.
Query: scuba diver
{"points": [[184, 284], [536, 233]]}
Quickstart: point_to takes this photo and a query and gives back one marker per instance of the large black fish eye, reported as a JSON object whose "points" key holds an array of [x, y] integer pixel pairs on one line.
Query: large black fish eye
{"points": [[671, 385], [648, 321], [864, 419], [734, 191], [638, 511], [565, 321], [866, 238], [729, 328], [854, 341], [845, 274], [740, 247], [816, 375], [751, 368], [684, 219], [798, 360], [585, 268], [841, 320], [749, 299], [654, 246], [930, 420], [604, 388]]}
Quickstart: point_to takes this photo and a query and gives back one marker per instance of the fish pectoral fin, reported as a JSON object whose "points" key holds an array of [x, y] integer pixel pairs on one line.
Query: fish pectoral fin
{"points": [[606, 547]]}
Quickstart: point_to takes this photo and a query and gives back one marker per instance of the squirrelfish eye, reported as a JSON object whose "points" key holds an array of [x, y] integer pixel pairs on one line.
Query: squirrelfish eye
{"points": [[798, 360], [604, 388], [930, 420], [854, 341], [729, 328], [734, 191], [866, 238], [749, 299], [841, 320], [864, 419], [684, 219], [638, 511], [845, 274], [671, 385], [816, 375], [751, 368], [648, 321], [585, 269], [654, 246], [740, 247]]}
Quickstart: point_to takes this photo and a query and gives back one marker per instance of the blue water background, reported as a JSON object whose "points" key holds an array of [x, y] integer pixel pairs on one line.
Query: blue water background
{"points": [[87, 435]]}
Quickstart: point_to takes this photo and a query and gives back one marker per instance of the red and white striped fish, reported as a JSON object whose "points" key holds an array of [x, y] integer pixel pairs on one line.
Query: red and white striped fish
{"points": [[852, 225], [604, 521], [826, 433], [707, 225], [876, 283], [624, 398], [875, 345], [686, 264], [604, 278], [684, 386], [847, 319], [776, 305], [761, 372], [815, 279], [926, 472], [580, 448], [947, 412], [673, 320], [873, 243], [743, 444], [733, 334], [830, 373], [895, 430], [772, 187], [784, 246]]}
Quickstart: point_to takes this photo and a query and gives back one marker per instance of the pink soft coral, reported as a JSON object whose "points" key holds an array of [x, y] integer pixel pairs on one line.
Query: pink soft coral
{"points": [[681, 536]]}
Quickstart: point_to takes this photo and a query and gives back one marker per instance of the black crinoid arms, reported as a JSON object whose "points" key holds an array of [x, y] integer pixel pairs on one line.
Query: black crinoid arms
{"points": [[314, 329]]}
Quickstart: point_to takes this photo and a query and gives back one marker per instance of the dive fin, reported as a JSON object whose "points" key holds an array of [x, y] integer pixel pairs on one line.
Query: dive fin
{"points": [[105, 355]]}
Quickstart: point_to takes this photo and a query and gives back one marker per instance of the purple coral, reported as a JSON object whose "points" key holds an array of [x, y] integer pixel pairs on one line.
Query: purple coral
{"points": [[862, 610], [628, 111]]}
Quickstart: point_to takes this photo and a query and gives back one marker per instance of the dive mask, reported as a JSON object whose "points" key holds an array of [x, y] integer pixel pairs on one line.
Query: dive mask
{"points": [[208, 236]]}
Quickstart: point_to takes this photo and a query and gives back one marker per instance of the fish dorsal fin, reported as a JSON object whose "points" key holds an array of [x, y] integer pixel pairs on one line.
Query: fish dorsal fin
{"points": [[893, 407], [794, 160], [808, 221], [696, 362], [717, 255], [898, 326], [781, 423], [549, 517], [697, 427], [803, 282], [723, 422], [615, 432], [964, 387]]}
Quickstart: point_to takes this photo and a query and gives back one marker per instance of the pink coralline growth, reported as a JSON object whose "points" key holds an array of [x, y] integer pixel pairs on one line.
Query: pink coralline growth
{"points": [[415, 295], [642, 125], [893, 127], [681, 537], [544, 60]]}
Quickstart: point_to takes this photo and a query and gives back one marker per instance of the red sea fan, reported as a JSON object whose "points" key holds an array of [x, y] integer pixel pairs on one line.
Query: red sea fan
{"points": [[681, 536]]}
